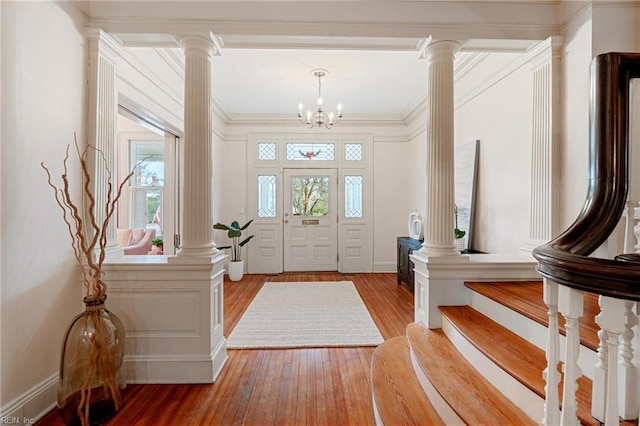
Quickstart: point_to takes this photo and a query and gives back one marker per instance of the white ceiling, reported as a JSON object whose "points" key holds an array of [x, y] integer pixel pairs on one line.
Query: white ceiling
{"points": [[371, 48], [272, 82]]}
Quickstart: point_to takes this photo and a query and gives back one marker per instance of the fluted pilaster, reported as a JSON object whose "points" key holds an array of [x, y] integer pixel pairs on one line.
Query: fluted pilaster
{"points": [[102, 121], [439, 218], [197, 223], [543, 217]]}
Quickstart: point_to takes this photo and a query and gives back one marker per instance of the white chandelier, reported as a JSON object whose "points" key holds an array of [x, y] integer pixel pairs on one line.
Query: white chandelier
{"points": [[320, 117]]}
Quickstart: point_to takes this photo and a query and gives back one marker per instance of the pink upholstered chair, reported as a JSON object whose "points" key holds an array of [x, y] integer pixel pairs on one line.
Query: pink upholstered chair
{"points": [[135, 240]]}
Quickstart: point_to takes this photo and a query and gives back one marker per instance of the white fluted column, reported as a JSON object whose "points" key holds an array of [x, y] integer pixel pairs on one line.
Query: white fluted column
{"points": [[545, 140], [102, 126], [439, 217], [197, 221]]}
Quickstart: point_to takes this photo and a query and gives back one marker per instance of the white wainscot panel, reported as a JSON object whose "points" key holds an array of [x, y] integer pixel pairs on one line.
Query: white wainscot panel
{"points": [[265, 248], [146, 313], [356, 250]]}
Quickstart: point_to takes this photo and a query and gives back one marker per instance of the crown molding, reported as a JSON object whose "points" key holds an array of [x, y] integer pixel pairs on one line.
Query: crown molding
{"points": [[233, 41], [468, 63], [175, 62], [279, 122], [489, 80], [545, 51]]}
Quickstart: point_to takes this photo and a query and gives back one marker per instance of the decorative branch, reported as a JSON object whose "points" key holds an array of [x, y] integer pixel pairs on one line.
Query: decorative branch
{"points": [[82, 222]]}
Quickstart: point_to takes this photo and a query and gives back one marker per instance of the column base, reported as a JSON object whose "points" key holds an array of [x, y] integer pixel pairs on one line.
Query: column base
{"points": [[439, 249], [206, 251]]}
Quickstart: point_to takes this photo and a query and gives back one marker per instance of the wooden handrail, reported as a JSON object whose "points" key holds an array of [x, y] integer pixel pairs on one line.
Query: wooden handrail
{"points": [[565, 259]]}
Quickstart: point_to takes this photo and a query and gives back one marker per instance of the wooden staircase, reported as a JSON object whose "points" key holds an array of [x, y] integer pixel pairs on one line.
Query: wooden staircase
{"points": [[474, 370]]}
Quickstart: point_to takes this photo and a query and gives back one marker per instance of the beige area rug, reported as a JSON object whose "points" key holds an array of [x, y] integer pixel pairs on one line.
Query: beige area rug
{"points": [[305, 314]]}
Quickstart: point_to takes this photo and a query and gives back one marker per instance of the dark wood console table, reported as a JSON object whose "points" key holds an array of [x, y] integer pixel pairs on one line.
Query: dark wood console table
{"points": [[406, 246]]}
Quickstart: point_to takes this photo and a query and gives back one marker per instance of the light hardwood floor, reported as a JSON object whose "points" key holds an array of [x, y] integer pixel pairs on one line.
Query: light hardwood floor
{"points": [[320, 386]]}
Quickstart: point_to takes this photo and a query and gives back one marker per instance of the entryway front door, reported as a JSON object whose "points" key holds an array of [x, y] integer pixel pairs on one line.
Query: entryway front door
{"points": [[310, 220]]}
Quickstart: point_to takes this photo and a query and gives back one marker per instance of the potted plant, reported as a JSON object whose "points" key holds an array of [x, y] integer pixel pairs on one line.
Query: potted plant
{"points": [[458, 233], [234, 232], [157, 245]]}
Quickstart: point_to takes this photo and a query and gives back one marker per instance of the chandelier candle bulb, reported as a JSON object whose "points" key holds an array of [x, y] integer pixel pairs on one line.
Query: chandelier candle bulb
{"points": [[320, 117]]}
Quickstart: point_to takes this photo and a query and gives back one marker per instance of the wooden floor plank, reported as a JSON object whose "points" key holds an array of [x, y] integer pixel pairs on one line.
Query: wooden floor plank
{"points": [[253, 381]]}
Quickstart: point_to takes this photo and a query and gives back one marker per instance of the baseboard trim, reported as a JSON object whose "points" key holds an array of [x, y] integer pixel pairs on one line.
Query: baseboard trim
{"points": [[33, 404], [173, 369], [382, 267]]}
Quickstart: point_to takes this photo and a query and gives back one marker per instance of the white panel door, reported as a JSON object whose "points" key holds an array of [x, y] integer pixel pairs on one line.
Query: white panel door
{"points": [[310, 220]]}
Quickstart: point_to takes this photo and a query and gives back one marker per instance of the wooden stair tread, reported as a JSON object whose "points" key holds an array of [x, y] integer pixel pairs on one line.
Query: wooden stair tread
{"points": [[396, 391], [468, 393], [515, 355], [526, 298]]}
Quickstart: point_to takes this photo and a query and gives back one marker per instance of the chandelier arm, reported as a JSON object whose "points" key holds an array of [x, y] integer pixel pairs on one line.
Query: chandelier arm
{"points": [[320, 117]]}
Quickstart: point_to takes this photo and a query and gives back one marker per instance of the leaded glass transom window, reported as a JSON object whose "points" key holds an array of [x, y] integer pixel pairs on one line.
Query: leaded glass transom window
{"points": [[353, 151], [267, 196], [353, 196], [266, 151], [311, 151]]}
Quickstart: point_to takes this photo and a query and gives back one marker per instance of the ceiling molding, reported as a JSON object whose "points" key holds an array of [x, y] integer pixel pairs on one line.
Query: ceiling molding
{"points": [[146, 32], [489, 80], [319, 43], [275, 122], [466, 63], [174, 61]]}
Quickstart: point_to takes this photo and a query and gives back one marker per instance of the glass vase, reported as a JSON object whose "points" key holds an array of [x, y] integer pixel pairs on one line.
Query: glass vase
{"points": [[91, 378]]}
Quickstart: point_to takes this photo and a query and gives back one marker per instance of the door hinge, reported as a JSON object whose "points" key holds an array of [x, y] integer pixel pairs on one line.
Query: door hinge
{"points": [[176, 240]]}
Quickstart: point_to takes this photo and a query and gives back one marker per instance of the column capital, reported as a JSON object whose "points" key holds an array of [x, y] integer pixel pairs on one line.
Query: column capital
{"points": [[433, 49], [104, 44], [204, 43], [545, 51]]}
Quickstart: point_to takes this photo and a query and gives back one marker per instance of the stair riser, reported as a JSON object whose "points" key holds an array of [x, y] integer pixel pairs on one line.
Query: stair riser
{"points": [[528, 401], [528, 329]]}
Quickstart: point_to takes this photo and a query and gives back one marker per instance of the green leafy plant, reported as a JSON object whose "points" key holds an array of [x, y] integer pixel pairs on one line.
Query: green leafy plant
{"points": [[158, 242], [234, 232], [457, 233]]}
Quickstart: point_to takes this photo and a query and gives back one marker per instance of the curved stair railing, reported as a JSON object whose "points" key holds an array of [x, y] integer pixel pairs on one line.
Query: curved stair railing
{"points": [[568, 270]]}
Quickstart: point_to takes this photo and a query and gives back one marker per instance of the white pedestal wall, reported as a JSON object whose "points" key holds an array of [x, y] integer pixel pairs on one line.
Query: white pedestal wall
{"points": [[173, 318]]}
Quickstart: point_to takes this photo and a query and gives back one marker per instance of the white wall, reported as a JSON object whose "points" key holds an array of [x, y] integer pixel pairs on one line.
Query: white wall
{"points": [[41, 289], [393, 200], [500, 117], [615, 28], [574, 154]]}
